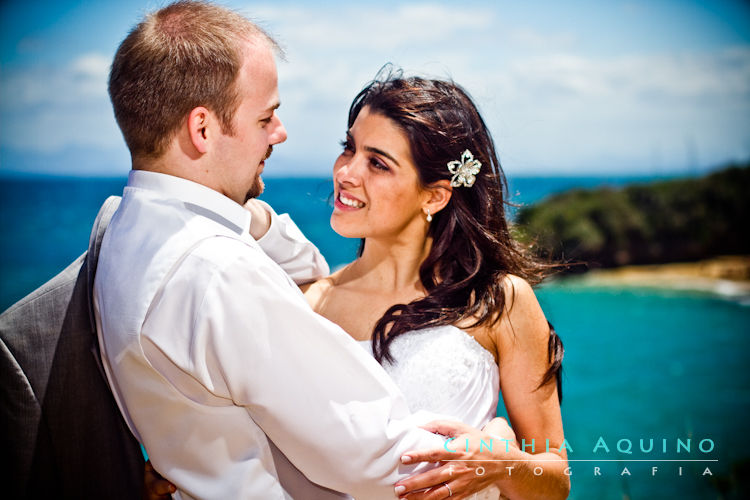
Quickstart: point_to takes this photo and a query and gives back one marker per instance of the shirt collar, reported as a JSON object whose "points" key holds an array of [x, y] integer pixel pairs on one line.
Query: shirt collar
{"points": [[197, 197]]}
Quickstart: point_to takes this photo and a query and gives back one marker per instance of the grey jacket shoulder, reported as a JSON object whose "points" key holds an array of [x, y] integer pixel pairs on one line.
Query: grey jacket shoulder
{"points": [[62, 433]]}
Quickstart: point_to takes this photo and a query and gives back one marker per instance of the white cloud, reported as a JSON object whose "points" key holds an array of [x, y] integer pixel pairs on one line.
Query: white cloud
{"points": [[53, 107], [354, 27], [721, 75], [661, 111], [532, 39], [83, 80], [93, 68]]}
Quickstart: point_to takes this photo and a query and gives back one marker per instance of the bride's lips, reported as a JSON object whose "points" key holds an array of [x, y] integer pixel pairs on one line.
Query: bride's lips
{"points": [[346, 202]]}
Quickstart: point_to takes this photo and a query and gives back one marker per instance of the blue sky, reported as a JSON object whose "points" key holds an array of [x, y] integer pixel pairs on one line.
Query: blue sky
{"points": [[569, 88]]}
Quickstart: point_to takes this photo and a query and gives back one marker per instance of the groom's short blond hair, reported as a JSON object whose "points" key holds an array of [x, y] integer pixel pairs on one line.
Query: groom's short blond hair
{"points": [[185, 55]]}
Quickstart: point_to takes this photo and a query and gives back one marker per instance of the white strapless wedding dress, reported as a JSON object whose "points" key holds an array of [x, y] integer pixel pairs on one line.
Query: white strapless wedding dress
{"points": [[444, 370]]}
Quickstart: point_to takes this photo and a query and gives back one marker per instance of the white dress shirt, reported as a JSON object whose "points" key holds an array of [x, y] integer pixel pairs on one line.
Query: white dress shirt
{"points": [[211, 349]]}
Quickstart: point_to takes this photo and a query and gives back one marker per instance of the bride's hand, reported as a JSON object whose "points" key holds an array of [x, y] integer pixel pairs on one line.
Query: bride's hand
{"points": [[471, 461], [260, 220]]}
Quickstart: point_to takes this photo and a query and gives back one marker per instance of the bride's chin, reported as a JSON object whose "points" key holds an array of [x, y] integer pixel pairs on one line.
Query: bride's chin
{"points": [[342, 230]]}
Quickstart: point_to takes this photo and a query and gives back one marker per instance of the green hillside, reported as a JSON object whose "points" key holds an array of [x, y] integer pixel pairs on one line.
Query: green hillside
{"points": [[666, 221]]}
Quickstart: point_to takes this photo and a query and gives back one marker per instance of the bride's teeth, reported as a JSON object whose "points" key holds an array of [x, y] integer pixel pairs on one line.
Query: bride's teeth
{"points": [[351, 203]]}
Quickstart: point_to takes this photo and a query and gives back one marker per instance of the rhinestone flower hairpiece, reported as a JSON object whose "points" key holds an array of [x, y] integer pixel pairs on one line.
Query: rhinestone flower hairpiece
{"points": [[464, 170]]}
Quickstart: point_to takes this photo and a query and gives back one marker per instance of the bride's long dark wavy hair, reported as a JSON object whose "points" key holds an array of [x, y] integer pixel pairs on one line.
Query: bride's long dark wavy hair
{"points": [[472, 250]]}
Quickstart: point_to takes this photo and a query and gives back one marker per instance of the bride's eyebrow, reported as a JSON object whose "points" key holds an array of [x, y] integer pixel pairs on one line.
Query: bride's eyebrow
{"points": [[382, 153], [370, 149]]}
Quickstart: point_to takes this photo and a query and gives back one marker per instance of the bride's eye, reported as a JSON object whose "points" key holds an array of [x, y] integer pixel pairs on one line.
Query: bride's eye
{"points": [[375, 162]]}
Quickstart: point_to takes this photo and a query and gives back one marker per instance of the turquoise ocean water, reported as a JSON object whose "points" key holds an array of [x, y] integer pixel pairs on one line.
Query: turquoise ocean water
{"points": [[653, 369]]}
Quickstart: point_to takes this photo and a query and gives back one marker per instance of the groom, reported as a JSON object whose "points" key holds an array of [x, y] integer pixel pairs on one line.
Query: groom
{"points": [[211, 351]]}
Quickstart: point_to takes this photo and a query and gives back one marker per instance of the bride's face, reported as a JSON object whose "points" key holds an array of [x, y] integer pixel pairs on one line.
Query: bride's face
{"points": [[376, 188]]}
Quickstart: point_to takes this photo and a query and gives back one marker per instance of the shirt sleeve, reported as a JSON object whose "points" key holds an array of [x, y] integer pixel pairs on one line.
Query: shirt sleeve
{"points": [[327, 405], [285, 244]]}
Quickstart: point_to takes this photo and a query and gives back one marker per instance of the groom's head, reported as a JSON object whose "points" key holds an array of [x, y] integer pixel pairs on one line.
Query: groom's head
{"points": [[194, 87]]}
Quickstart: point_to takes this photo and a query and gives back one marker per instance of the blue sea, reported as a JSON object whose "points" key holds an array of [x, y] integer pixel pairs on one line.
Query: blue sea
{"points": [[656, 383]]}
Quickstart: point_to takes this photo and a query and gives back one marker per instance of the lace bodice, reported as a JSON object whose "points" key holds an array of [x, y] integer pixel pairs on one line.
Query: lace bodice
{"points": [[444, 370]]}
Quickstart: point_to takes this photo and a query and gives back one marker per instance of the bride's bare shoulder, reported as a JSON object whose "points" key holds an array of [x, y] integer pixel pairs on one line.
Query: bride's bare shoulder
{"points": [[517, 290], [522, 319]]}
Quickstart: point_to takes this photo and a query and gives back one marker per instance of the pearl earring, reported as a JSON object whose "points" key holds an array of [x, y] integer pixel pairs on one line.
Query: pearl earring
{"points": [[429, 216]]}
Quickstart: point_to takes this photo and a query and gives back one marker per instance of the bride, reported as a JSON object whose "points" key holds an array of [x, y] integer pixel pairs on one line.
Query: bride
{"points": [[440, 293]]}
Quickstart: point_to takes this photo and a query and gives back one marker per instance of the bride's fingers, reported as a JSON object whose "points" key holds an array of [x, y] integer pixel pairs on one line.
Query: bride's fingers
{"points": [[428, 494], [433, 455], [430, 478], [459, 488]]}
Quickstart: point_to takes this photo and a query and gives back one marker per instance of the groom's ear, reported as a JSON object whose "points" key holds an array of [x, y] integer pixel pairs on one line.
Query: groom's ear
{"points": [[198, 123], [438, 194]]}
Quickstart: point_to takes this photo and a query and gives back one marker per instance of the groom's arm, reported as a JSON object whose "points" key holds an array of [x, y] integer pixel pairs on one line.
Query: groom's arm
{"points": [[327, 404]]}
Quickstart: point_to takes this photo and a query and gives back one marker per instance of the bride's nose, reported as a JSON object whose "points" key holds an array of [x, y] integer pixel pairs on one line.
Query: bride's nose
{"points": [[348, 173]]}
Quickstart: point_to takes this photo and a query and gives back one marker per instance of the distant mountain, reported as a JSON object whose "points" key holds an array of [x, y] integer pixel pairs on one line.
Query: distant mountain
{"points": [[666, 221]]}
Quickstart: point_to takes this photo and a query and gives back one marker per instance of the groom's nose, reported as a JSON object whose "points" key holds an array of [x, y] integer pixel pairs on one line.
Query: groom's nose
{"points": [[279, 132]]}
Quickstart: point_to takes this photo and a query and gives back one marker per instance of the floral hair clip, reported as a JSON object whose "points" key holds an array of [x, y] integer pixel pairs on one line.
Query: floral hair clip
{"points": [[465, 170]]}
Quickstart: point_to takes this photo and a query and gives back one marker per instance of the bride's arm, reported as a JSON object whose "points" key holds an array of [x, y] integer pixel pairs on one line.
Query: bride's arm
{"points": [[534, 412], [521, 337], [281, 239]]}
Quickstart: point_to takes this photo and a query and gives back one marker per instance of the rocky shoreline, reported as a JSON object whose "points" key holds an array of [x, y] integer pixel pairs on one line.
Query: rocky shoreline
{"points": [[726, 275]]}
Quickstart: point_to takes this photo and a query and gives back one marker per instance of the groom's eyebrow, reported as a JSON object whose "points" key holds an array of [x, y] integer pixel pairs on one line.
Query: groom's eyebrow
{"points": [[272, 107]]}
